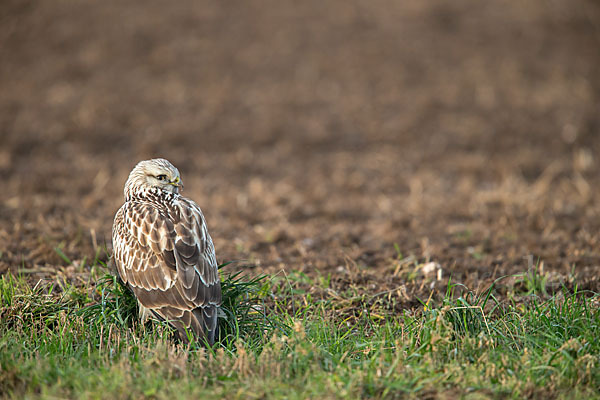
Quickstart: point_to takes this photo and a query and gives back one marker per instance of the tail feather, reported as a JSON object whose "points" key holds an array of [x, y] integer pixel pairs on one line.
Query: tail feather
{"points": [[206, 322], [201, 322]]}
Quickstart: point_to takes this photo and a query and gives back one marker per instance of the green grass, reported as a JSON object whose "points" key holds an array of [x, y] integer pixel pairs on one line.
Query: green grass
{"points": [[278, 342]]}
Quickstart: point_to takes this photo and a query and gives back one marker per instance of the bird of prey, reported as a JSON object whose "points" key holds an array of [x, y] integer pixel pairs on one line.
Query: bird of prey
{"points": [[163, 252]]}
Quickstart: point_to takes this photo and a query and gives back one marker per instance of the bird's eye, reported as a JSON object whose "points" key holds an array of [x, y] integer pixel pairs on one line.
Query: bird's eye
{"points": [[161, 177]]}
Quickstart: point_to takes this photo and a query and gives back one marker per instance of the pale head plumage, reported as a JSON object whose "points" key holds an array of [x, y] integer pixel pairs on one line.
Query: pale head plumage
{"points": [[163, 252], [156, 173]]}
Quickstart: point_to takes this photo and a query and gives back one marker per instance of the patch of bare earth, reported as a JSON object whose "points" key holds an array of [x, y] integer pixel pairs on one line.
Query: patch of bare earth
{"points": [[315, 136]]}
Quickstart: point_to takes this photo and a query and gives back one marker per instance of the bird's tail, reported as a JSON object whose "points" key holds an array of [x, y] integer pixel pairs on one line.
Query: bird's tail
{"points": [[200, 323], [204, 323]]}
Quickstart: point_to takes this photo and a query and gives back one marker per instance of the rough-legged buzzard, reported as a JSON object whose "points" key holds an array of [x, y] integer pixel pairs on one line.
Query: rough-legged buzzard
{"points": [[163, 252]]}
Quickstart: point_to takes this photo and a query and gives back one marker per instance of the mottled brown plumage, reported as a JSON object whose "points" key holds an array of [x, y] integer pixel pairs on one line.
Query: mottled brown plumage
{"points": [[163, 252]]}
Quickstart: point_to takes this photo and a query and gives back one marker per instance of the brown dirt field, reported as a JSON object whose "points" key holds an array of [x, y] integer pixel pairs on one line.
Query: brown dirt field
{"points": [[314, 135]]}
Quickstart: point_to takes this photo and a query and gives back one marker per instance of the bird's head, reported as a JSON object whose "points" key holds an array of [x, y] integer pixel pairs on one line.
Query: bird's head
{"points": [[157, 173]]}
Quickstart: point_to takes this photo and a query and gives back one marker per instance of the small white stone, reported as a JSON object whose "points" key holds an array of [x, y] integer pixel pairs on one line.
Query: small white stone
{"points": [[430, 267]]}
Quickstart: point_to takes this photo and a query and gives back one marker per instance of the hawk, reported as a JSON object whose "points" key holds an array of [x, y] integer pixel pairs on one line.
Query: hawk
{"points": [[163, 252]]}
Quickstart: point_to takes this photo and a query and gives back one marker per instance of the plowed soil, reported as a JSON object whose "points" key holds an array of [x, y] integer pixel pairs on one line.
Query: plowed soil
{"points": [[359, 139]]}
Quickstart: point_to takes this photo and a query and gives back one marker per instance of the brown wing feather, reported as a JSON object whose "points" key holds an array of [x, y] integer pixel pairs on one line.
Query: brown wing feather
{"points": [[165, 254]]}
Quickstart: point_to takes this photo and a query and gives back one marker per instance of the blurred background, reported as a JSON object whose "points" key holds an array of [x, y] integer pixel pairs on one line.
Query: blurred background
{"points": [[325, 137]]}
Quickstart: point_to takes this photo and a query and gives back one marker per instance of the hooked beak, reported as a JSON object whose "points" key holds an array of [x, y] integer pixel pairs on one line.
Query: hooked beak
{"points": [[177, 182]]}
